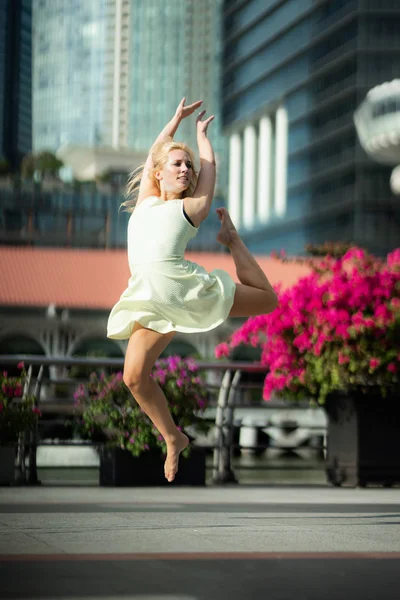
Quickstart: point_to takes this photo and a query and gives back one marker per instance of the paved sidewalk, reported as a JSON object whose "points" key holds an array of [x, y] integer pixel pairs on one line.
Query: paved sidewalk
{"points": [[236, 542]]}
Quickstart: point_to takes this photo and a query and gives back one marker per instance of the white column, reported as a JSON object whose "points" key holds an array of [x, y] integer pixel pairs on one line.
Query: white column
{"points": [[117, 74], [264, 170], [249, 177], [281, 161], [235, 171]]}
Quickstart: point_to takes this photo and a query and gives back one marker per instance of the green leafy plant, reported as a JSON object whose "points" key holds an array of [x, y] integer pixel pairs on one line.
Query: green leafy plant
{"points": [[5, 166], [18, 412], [43, 164], [109, 413]]}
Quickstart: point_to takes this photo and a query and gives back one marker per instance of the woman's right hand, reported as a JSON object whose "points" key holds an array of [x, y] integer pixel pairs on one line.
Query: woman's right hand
{"points": [[183, 111], [203, 125]]}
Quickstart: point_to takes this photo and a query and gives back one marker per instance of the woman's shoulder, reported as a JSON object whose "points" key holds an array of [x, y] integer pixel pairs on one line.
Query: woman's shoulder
{"points": [[141, 206], [146, 200], [141, 200]]}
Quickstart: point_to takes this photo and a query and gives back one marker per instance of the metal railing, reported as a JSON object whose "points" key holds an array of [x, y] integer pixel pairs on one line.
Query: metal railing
{"points": [[227, 393]]}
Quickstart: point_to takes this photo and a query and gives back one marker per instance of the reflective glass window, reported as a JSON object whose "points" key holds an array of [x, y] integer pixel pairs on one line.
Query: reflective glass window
{"points": [[383, 32], [377, 68], [268, 58], [250, 12], [299, 201], [266, 29], [333, 10], [299, 103], [267, 90], [299, 136], [298, 170], [337, 44]]}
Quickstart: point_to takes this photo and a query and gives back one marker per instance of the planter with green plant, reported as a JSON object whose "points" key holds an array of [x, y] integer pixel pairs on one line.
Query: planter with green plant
{"points": [[131, 449], [335, 340]]}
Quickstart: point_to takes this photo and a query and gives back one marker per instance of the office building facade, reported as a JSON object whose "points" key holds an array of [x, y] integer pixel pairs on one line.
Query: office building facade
{"points": [[80, 73], [293, 75], [108, 76], [112, 72], [175, 52], [15, 80]]}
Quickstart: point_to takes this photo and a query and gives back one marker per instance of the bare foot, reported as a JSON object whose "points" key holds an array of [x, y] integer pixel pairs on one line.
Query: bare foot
{"points": [[227, 234], [174, 448]]}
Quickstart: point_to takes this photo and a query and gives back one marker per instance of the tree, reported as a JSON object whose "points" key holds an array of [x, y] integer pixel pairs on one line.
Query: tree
{"points": [[4, 166], [44, 164]]}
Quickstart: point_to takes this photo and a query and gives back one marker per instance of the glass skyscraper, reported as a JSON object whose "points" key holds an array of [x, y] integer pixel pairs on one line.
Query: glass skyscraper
{"points": [[108, 75], [69, 75], [111, 72], [293, 74], [175, 52], [15, 80]]}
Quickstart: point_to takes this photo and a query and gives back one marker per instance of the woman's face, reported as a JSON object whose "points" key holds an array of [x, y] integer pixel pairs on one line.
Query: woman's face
{"points": [[177, 172]]}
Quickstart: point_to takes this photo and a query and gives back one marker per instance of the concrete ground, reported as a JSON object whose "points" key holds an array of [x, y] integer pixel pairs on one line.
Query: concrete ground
{"points": [[291, 542]]}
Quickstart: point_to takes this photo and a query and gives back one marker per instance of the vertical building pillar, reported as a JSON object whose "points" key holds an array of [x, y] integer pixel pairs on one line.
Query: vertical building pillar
{"points": [[249, 177], [264, 170], [235, 171], [281, 161]]}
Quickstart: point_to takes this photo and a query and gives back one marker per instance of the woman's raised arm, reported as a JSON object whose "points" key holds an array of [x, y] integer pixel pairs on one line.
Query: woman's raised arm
{"points": [[147, 188], [198, 206]]}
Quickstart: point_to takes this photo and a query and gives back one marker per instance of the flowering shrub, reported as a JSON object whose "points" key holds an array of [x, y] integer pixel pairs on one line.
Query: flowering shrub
{"points": [[18, 413], [338, 328], [110, 413]]}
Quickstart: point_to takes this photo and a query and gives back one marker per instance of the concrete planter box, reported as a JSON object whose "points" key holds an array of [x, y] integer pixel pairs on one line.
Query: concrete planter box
{"points": [[363, 440], [119, 468], [7, 464]]}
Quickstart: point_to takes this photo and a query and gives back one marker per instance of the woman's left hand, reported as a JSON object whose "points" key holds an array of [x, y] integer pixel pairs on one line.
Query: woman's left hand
{"points": [[183, 111], [202, 125]]}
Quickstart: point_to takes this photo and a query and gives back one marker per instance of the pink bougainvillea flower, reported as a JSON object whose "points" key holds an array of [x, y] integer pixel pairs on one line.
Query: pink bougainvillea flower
{"points": [[346, 311], [374, 363], [393, 258], [354, 254], [343, 359], [8, 390], [222, 350], [192, 365]]}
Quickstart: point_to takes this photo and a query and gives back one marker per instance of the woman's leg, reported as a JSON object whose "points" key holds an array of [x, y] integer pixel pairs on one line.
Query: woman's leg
{"points": [[144, 347], [254, 295]]}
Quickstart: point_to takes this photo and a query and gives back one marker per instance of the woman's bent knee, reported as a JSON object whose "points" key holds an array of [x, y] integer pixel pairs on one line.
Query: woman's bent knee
{"points": [[144, 347], [134, 379], [251, 301]]}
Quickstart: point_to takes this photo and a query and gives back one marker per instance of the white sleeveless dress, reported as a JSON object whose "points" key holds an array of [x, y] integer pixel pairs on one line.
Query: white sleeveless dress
{"points": [[166, 292]]}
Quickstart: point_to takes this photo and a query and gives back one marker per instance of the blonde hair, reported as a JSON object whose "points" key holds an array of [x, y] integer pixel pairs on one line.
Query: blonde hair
{"points": [[159, 154]]}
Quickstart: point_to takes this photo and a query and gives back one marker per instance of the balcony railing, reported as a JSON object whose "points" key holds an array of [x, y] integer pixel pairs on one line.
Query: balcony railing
{"points": [[226, 392]]}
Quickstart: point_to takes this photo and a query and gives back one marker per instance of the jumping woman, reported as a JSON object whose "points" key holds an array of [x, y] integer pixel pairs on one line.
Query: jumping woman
{"points": [[166, 293]]}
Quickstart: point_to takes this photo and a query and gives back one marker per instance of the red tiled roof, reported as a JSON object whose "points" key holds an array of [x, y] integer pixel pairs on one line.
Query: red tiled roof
{"points": [[95, 279]]}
